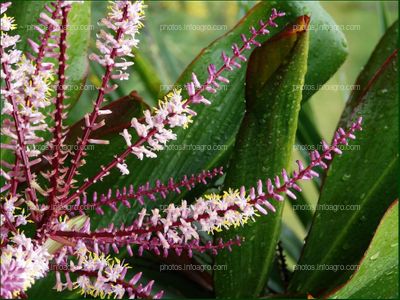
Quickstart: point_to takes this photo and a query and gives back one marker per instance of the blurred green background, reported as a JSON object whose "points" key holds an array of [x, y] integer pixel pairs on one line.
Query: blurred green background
{"points": [[176, 31]]}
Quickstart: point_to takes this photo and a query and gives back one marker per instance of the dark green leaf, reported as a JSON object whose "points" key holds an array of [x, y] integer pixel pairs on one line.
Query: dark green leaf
{"points": [[382, 52], [362, 182], [378, 273], [263, 148], [307, 135], [148, 75]]}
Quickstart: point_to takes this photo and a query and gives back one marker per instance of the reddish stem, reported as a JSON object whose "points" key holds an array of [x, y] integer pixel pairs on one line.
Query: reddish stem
{"points": [[21, 146], [163, 189], [57, 135], [93, 116], [45, 39], [14, 178], [38, 64]]}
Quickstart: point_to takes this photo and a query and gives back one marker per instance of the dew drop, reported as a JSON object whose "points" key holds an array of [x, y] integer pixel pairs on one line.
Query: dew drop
{"points": [[346, 246], [383, 91], [346, 177], [375, 256]]}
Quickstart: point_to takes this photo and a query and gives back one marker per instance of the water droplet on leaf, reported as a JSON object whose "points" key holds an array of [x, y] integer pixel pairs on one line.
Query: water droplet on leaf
{"points": [[346, 177], [375, 256]]}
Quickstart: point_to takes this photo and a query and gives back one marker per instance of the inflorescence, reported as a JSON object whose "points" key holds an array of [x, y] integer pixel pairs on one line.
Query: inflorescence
{"points": [[64, 241]]}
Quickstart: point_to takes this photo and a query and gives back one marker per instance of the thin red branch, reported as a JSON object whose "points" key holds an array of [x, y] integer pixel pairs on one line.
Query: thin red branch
{"points": [[21, 146], [60, 97], [147, 191], [93, 116]]}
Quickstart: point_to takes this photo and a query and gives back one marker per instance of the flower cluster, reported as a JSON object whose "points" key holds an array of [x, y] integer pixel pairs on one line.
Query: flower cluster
{"points": [[12, 215], [124, 20], [64, 241], [28, 90], [23, 261], [98, 275], [180, 114], [153, 130]]}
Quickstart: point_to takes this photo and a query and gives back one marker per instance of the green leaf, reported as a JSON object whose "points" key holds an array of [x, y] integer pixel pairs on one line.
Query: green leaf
{"points": [[385, 48], [44, 289], [383, 15], [291, 242], [263, 148], [148, 75], [78, 37], [378, 273], [170, 275], [365, 176]]}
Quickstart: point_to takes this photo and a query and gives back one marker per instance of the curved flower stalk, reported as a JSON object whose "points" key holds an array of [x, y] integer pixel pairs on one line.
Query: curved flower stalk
{"points": [[144, 191], [65, 243]]}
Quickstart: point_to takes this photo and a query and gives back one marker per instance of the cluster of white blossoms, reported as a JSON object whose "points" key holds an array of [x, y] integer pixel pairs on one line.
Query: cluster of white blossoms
{"points": [[30, 77], [22, 263], [12, 214], [181, 224], [17, 72], [27, 89], [153, 129], [124, 20], [99, 275]]}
